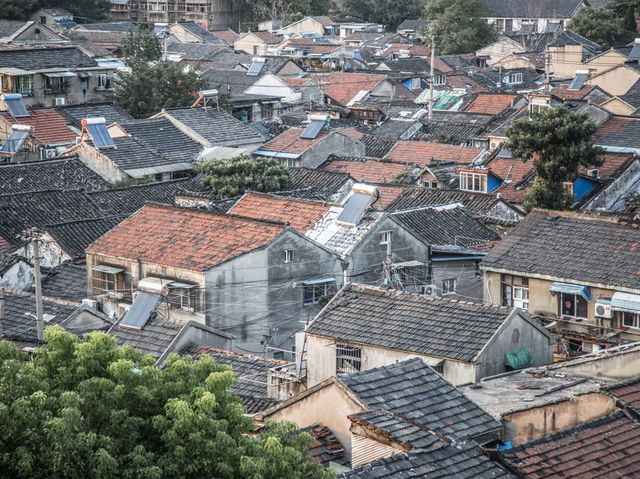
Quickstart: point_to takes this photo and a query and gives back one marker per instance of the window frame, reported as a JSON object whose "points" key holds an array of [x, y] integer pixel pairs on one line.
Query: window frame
{"points": [[103, 282], [577, 301], [635, 319], [446, 286], [288, 255], [386, 237], [345, 353], [516, 78], [439, 80], [313, 293], [470, 181]]}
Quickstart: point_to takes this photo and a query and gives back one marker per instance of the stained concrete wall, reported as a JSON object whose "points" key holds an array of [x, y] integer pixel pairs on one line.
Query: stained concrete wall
{"points": [[333, 144]]}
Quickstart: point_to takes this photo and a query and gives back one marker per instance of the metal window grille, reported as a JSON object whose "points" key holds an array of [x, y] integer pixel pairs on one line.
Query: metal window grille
{"points": [[348, 359]]}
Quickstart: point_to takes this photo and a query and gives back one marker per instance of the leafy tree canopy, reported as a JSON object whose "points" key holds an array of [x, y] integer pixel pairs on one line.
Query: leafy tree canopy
{"points": [[141, 46], [458, 26], [599, 25], [389, 13], [93, 409], [231, 177], [17, 9], [558, 141]]}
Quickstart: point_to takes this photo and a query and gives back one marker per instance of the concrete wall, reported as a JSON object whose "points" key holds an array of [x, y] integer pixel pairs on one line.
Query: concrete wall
{"points": [[329, 406], [271, 85], [307, 25], [565, 60], [612, 198], [468, 282], [248, 42], [333, 143], [615, 364], [496, 51], [531, 424], [100, 164], [51, 254], [618, 107], [19, 276], [605, 61], [617, 81], [321, 360], [517, 333]]}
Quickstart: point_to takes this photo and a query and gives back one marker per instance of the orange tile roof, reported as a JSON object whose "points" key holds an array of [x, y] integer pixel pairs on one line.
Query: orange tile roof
{"points": [[342, 87], [422, 152], [295, 82], [463, 81], [300, 214], [227, 36], [368, 171], [351, 133], [612, 163], [489, 103], [414, 50], [49, 126], [515, 170], [290, 142], [268, 37], [322, 49], [388, 193], [562, 91], [184, 238]]}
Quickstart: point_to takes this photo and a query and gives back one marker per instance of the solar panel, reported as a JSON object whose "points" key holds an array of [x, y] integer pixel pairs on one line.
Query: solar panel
{"points": [[15, 141], [140, 310], [256, 68], [312, 130], [578, 82], [635, 52], [355, 208], [98, 132], [15, 105]]}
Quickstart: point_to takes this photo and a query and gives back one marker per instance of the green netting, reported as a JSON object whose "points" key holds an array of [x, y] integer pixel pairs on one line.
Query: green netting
{"points": [[519, 359]]}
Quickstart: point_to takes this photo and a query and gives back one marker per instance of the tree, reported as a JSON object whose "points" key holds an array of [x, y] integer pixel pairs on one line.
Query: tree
{"points": [[458, 26], [141, 46], [558, 141], [629, 22], [17, 9], [92, 409], [389, 13], [599, 25], [233, 176]]}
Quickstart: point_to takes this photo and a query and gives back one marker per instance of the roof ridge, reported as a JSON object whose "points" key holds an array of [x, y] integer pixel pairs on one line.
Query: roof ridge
{"points": [[82, 220], [233, 353], [272, 195], [44, 298]]}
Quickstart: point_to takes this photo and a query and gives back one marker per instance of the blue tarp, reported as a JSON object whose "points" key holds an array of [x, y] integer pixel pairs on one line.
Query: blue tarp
{"points": [[569, 288]]}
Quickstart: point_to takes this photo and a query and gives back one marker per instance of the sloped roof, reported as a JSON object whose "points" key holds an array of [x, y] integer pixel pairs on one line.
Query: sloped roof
{"points": [[423, 152], [130, 154], [326, 448], [44, 58], [364, 169], [290, 142], [328, 181], [67, 281], [409, 322], [9, 27], [217, 126], [49, 127], [490, 103], [123, 27], [413, 24], [154, 339], [202, 33], [185, 238], [58, 174], [74, 236], [267, 37], [606, 447], [619, 132], [626, 393], [343, 87], [109, 111], [585, 249], [413, 391], [228, 36], [445, 226], [562, 91], [377, 147], [300, 214]]}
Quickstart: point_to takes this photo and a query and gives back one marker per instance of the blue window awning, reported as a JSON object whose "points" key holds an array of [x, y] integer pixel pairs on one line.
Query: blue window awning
{"points": [[329, 279], [625, 302], [570, 288]]}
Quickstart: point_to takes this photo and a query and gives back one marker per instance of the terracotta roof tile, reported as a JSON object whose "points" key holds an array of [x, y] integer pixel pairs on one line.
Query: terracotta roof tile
{"points": [[613, 162], [422, 152], [290, 142], [492, 104], [268, 37], [322, 49], [49, 126], [613, 125], [351, 133], [300, 214], [185, 238], [562, 91], [342, 87], [227, 36], [296, 82], [388, 194], [366, 170], [516, 171]]}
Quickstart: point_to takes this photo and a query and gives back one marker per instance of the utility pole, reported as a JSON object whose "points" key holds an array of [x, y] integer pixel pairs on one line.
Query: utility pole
{"points": [[35, 239], [1, 312], [433, 59]]}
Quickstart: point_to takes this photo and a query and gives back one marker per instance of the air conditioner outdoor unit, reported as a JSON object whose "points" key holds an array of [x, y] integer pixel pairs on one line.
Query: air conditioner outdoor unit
{"points": [[430, 289], [603, 309], [50, 153]]}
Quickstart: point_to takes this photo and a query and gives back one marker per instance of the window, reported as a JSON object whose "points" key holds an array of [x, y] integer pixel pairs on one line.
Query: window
{"points": [[631, 320], [385, 237], [348, 359], [515, 78], [104, 82], [573, 306], [508, 25], [56, 84], [288, 162], [43, 20], [439, 368], [185, 297], [449, 286], [287, 255], [256, 50], [313, 293], [500, 24], [473, 181], [440, 79], [515, 291], [22, 84], [106, 279], [415, 83], [568, 187]]}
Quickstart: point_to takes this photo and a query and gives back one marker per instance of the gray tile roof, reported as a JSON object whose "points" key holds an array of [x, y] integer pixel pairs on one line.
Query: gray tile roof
{"points": [[19, 315], [413, 392], [413, 24], [109, 111], [9, 27], [206, 52], [62, 174], [202, 33], [394, 129], [44, 58], [251, 375], [377, 147], [110, 27], [533, 8], [161, 135], [398, 429], [217, 126], [409, 322], [455, 226], [460, 461], [155, 338], [626, 137], [319, 183], [478, 204], [227, 81], [131, 154], [67, 281], [577, 248], [74, 236]]}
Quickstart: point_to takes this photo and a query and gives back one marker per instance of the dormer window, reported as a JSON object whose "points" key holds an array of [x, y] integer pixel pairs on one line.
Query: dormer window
{"points": [[472, 181], [515, 78], [439, 80]]}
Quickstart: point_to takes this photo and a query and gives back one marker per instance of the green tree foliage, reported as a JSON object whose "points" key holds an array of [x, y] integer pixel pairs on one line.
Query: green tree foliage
{"points": [[92, 409], [389, 13], [558, 141], [17, 9], [629, 22], [153, 84], [84, 11], [458, 26], [599, 25], [233, 176]]}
